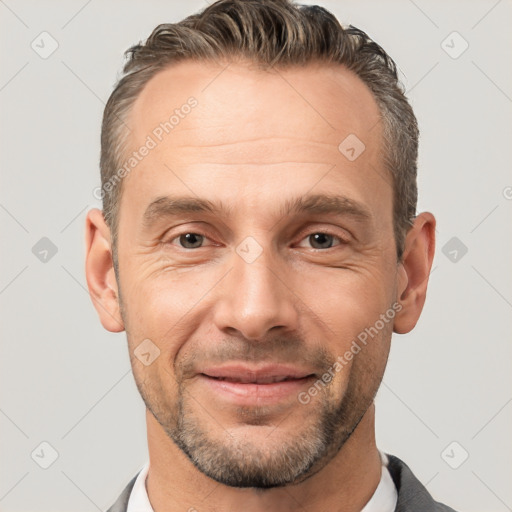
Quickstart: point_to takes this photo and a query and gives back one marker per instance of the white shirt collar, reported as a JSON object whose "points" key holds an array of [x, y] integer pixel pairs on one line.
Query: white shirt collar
{"points": [[385, 496], [139, 501], [383, 500]]}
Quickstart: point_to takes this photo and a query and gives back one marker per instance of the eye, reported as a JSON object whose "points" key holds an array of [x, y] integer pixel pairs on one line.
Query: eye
{"points": [[188, 240], [321, 240]]}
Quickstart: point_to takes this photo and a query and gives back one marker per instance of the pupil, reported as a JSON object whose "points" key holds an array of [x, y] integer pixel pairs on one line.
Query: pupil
{"points": [[191, 240], [322, 239]]}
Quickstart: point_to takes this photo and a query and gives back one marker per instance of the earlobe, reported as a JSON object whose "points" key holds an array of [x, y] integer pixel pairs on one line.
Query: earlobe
{"points": [[414, 271], [99, 271]]}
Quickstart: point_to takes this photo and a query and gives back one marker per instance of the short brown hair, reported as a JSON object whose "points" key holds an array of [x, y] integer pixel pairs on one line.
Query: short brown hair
{"points": [[269, 33]]}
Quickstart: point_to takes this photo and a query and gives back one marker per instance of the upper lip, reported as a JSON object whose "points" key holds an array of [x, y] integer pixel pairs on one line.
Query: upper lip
{"points": [[257, 375]]}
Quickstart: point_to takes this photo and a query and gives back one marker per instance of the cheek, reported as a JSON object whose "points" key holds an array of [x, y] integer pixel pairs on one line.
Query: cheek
{"points": [[346, 302], [154, 296], [345, 308], [163, 306]]}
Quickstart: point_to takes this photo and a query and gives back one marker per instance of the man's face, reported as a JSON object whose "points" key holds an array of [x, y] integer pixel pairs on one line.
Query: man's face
{"points": [[271, 282]]}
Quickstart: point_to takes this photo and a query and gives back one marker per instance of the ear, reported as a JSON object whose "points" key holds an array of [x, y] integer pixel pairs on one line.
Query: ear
{"points": [[414, 271], [99, 271]]}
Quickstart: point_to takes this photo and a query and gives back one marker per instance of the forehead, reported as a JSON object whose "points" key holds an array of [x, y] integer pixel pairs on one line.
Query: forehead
{"points": [[318, 100], [254, 130]]}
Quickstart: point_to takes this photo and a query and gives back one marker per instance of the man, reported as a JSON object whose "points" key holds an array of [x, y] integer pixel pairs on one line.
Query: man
{"points": [[259, 244]]}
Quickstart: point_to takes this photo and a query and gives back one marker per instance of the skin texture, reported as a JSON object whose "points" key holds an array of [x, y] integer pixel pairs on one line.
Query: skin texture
{"points": [[255, 140]]}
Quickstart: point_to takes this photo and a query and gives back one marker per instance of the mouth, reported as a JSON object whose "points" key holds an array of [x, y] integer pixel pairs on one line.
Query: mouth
{"points": [[246, 385], [267, 374], [256, 380]]}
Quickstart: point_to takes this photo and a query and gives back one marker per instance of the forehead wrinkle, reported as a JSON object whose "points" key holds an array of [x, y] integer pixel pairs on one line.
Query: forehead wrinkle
{"points": [[263, 139]]}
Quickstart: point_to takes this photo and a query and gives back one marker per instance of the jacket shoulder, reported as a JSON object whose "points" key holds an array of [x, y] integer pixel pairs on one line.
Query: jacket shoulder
{"points": [[412, 494]]}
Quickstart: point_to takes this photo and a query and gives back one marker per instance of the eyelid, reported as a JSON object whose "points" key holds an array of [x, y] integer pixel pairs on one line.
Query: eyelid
{"points": [[314, 228]]}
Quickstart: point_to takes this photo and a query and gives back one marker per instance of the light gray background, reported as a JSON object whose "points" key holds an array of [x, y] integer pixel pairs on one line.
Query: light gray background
{"points": [[66, 381]]}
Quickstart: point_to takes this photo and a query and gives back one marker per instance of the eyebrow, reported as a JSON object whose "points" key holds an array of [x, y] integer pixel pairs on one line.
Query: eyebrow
{"points": [[326, 204], [169, 206]]}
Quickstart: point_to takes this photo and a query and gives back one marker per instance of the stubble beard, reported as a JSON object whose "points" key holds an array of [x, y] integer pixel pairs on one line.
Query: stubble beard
{"points": [[240, 462]]}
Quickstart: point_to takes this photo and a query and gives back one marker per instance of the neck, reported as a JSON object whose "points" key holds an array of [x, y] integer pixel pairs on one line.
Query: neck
{"points": [[345, 483]]}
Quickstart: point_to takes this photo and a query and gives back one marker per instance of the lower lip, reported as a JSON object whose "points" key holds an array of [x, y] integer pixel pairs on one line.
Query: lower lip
{"points": [[256, 393]]}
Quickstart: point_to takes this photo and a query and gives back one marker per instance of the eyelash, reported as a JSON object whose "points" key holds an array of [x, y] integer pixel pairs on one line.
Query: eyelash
{"points": [[342, 241]]}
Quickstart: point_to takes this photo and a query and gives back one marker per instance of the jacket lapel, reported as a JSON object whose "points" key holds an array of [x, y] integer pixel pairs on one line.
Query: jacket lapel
{"points": [[412, 495], [121, 503]]}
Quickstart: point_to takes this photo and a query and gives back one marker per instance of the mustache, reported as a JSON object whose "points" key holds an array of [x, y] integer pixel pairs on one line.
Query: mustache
{"points": [[276, 350]]}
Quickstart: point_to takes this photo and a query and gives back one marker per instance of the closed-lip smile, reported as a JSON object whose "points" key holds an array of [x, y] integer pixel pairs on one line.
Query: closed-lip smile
{"points": [[247, 384], [267, 374]]}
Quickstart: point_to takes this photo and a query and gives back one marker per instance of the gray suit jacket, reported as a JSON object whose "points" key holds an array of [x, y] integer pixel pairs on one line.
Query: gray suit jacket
{"points": [[412, 495]]}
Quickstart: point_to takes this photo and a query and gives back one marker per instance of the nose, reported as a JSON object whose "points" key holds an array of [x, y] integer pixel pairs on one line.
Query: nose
{"points": [[255, 298]]}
